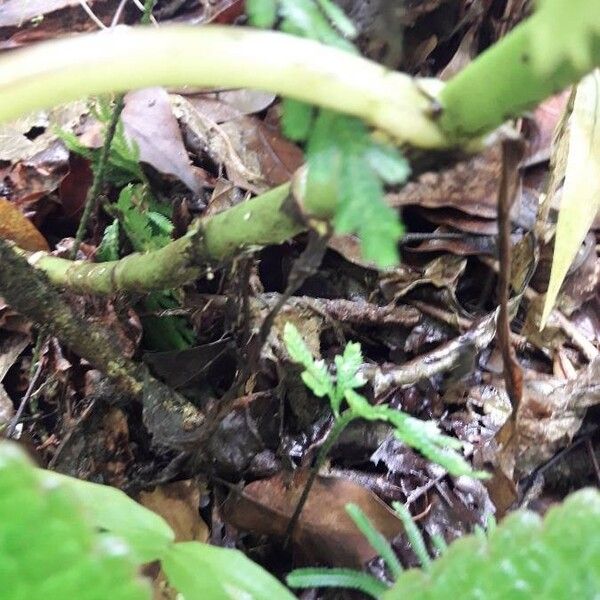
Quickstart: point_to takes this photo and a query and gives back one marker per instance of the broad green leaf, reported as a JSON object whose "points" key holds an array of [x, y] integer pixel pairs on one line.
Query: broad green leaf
{"points": [[296, 119], [202, 572], [112, 510], [566, 30], [48, 549], [524, 557], [262, 13], [581, 191]]}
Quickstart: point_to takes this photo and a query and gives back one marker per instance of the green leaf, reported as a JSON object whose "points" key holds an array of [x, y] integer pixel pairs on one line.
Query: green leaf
{"points": [[112, 510], [388, 163], [297, 119], [162, 333], [423, 436], [346, 374], [48, 549], [202, 572], [414, 535], [304, 18], [581, 191], [377, 540], [338, 18], [524, 557], [316, 376], [566, 30], [109, 246], [337, 578], [262, 13], [347, 165], [145, 229]]}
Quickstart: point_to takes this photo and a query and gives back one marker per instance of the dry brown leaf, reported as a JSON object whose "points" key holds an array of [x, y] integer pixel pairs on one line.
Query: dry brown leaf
{"points": [[178, 504], [149, 121], [16, 227], [324, 533]]}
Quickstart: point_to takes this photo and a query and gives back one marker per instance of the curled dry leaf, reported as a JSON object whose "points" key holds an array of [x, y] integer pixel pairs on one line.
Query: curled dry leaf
{"points": [[581, 193]]}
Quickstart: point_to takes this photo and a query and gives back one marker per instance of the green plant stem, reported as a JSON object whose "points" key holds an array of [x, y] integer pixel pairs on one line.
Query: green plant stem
{"points": [[117, 60], [338, 427], [503, 83], [270, 218], [99, 175]]}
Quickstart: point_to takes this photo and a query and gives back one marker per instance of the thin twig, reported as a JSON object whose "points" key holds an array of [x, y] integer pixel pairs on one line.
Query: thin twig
{"points": [[99, 174], [338, 427], [91, 15], [10, 430], [512, 152]]}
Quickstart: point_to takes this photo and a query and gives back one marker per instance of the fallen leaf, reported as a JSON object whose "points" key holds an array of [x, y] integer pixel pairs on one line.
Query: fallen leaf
{"points": [[178, 504], [148, 120], [581, 191], [16, 227], [324, 533]]}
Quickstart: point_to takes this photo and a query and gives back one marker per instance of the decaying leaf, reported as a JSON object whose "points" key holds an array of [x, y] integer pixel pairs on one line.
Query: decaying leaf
{"points": [[16, 227], [178, 503], [149, 121], [324, 533], [581, 192]]}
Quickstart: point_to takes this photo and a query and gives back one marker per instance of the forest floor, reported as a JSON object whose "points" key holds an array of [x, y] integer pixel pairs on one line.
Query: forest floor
{"points": [[426, 326]]}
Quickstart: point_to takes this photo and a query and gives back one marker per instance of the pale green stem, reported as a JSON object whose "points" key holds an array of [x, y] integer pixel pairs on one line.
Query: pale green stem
{"points": [[123, 58]]}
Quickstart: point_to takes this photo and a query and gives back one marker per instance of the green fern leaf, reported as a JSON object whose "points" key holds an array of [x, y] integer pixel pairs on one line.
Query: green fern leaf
{"points": [[524, 557], [336, 578]]}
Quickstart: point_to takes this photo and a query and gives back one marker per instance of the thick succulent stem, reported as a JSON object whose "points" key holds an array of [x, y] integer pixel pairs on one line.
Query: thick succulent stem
{"points": [[117, 60]]}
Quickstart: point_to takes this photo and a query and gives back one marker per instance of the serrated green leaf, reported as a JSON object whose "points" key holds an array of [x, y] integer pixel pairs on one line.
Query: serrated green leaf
{"points": [[296, 347], [109, 246], [315, 376], [362, 210], [162, 333], [341, 159], [388, 163], [524, 557], [297, 118], [262, 13], [581, 191], [566, 30], [146, 230], [304, 18], [347, 376]]}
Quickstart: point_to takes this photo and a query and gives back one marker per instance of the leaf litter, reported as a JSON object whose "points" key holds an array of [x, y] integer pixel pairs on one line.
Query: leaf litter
{"points": [[427, 327]]}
